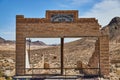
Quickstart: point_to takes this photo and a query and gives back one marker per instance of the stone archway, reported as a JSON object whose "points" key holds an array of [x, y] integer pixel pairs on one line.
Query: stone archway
{"points": [[59, 23]]}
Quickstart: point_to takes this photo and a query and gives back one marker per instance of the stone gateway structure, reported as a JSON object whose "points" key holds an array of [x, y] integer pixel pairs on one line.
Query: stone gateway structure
{"points": [[59, 24]]}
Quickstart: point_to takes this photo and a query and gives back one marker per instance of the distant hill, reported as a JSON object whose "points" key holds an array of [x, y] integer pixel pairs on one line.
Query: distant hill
{"points": [[10, 42], [114, 29], [38, 43], [2, 40]]}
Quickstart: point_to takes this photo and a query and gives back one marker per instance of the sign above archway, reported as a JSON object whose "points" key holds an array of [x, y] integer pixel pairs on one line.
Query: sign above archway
{"points": [[62, 16]]}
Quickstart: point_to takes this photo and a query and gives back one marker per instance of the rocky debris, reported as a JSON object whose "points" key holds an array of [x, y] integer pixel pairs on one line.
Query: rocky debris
{"points": [[2, 78]]}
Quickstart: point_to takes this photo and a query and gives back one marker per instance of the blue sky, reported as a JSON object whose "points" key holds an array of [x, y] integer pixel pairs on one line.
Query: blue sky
{"points": [[103, 10]]}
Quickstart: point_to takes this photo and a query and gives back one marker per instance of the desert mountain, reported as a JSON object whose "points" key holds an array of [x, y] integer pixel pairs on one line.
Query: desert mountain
{"points": [[114, 29], [2, 40], [35, 43], [38, 43], [10, 42]]}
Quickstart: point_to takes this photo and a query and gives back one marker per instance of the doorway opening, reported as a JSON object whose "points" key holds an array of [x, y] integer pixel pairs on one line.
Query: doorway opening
{"points": [[81, 56], [43, 56], [78, 56]]}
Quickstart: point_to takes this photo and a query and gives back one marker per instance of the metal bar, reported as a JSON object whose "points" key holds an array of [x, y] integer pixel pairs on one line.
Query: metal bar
{"points": [[29, 49], [30, 53], [58, 76], [99, 56], [62, 56], [63, 68]]}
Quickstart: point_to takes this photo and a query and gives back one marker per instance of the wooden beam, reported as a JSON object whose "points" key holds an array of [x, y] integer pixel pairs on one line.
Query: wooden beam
{"points": [[62, 55]]}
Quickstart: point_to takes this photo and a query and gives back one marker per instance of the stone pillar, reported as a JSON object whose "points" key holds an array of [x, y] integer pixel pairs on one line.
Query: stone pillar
{"points": [[20, 47], [104, 55]]}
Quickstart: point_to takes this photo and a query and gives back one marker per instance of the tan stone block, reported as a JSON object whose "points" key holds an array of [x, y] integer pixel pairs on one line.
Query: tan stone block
{"points": [[46, 65], [118, 71], [19, 16]]}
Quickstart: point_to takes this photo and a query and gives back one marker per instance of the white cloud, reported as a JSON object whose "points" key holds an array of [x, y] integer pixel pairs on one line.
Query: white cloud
{"points": [[63, 6], [104, 11], [80, 2], [75, 3]]}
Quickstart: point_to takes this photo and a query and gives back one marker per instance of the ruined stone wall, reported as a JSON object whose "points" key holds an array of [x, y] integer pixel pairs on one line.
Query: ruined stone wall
{"points": [[100, 57], [104, 55], [42, 27], [94, 60]]}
